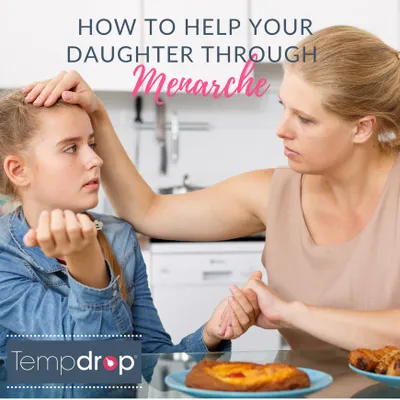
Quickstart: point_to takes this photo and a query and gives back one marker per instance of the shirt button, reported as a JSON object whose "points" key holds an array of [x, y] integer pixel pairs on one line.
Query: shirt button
{"points": [[114, 286], [115, 293]]}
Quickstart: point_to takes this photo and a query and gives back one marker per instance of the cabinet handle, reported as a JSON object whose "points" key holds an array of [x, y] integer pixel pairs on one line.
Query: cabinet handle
{"points": [[217, 261], [216, 275]]}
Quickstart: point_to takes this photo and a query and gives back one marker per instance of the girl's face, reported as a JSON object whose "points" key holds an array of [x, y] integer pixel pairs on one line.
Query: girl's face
{"points": [[314, 139], [63, 161]]}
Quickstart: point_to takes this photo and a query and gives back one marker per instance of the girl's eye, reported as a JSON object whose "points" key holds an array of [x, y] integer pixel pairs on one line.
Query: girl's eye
{"points": [[73, 148], [280, 102], [93, 145], [304, 120]]}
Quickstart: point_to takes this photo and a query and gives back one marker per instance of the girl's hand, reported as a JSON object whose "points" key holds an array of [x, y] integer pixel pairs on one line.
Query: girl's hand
{"points": [[70, 86], [246, 312], [271, 305], [226, 330], [241, 305], [63, 234]]}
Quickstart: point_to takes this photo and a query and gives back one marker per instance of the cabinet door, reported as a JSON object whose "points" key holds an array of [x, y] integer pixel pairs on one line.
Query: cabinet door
{"points": [[181, 10], [379, 18], [37, 36]]}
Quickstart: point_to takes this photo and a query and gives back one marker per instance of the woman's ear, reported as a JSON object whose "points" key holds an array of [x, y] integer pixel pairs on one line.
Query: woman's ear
{"points": [[364, 129], [16, 170]]}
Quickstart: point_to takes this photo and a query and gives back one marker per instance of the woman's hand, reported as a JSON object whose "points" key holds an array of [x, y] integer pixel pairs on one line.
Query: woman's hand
{"points": [[70, 86], [274, 310], [62, 234], [246, 312]]}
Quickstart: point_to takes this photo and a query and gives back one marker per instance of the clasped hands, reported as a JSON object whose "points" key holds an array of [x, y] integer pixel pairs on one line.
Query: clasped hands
{"points": [[254, 304]]}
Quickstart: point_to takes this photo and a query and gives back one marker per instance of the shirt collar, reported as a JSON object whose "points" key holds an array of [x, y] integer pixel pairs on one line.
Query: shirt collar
{"points": [[18, 228]]}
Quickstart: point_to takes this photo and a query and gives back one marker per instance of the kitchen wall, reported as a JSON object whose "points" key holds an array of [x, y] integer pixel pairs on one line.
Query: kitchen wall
{"points": [[242, 135]]}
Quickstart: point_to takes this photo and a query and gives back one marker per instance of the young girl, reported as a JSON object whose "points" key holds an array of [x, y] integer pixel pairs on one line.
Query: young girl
{"points": [[63, 276]]}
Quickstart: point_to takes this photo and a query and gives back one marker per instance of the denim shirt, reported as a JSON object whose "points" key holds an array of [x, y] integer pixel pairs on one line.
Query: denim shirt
{"points": [[39, 297]]}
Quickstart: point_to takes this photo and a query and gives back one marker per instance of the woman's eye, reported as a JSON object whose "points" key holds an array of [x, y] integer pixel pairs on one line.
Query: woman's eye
{"points": [[93, 145], [73, 148], [304, 120], [280, 102]]}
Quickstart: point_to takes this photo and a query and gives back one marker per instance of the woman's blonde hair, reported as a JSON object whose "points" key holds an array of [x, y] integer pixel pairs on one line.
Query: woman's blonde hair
{"points": [[358, 74], [19, 123]]}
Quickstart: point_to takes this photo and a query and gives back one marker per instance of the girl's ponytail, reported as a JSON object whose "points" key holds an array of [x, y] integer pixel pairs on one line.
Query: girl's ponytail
{"points": [[110, 257]]}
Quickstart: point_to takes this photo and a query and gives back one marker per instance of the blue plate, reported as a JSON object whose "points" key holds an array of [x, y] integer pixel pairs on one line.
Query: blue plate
{"points": [[393, 381], [319, 380]]}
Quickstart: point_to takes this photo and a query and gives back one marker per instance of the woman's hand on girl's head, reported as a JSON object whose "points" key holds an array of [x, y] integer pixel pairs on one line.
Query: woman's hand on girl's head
{"points": [[63, 234], [69, 85]]}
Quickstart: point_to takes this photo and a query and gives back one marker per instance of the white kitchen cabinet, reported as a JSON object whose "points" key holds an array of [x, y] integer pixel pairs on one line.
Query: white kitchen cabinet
{"points": [[181, 10], [36, 36], [377, 17], [190, 279]]}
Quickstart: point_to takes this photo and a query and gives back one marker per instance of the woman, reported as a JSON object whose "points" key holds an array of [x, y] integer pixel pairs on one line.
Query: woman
{"points": [[331, 218], [78, 283]]}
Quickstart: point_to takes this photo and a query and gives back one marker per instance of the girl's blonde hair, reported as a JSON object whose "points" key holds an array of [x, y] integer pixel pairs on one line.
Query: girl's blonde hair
{"points": [[19, 123], [358, 74]]}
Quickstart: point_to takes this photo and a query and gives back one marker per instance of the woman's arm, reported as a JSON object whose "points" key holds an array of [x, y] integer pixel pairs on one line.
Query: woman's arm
{"points": [[348, 329], [233, 208]]}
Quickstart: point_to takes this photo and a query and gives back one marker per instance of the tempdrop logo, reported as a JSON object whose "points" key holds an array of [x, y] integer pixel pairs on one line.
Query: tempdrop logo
{"points": [[110, 363], [86, 361]]}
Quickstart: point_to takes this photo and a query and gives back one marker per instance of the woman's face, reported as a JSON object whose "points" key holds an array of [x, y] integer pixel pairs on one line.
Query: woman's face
{"points": [[63, 161], [315, 140]]}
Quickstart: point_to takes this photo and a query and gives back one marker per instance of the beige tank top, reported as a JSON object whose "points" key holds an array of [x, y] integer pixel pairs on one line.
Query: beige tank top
{"points": [[360, 274]]}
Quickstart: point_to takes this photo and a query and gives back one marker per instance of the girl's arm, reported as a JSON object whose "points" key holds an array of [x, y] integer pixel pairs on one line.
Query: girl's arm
{"points": [[155, 339], [93, 305], [28, 307]]}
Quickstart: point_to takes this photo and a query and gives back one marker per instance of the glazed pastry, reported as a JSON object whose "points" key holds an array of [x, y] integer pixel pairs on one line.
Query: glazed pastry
{"points": [[373, 360], [394, 367], [364, 359], [246, 377], [386, 360], [385, 350]]}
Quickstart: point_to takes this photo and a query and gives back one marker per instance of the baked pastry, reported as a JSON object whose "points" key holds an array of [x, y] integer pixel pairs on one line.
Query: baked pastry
{"points": [[246, 377], [377, 361], [364, 359], [394, 367], [385, 361]]}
